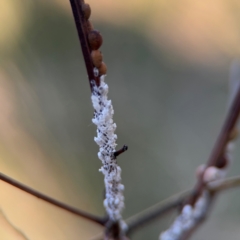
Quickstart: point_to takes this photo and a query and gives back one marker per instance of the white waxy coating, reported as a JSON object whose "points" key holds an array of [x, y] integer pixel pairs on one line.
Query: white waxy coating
{"points": [[186, 220], [106, 140]]}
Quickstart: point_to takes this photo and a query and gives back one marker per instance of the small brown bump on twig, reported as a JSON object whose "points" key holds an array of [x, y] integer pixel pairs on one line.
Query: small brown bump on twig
{"points": [[88, 26], [95, 39], [86, 10], [83, 27], [122, 150], [97, 58], [102, 69]]}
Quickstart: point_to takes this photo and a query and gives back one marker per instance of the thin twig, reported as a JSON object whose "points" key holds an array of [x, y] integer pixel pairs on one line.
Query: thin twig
{"points": [[156, 211], [52, 201], [120, 151], [80, 22], [220, 144]]}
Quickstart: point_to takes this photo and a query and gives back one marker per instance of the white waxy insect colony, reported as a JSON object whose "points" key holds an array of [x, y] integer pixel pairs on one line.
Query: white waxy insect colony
{"points": [[106, 139], [187, 219]]}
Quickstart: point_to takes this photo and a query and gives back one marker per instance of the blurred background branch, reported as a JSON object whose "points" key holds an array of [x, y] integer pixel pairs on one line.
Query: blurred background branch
{"points": [[52, 201]]}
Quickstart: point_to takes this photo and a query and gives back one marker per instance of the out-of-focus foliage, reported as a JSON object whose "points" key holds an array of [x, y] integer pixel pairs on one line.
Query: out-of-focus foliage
{"points": [[168, 65]]}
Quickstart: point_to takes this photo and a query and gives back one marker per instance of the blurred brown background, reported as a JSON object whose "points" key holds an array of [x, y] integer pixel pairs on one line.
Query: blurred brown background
{"points": [[168, 67]]}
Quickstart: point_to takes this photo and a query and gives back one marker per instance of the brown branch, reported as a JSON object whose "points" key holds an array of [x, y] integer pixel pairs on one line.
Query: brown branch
{"points": [[156, 211], [52, 201], [220, 145], [81, 23]]}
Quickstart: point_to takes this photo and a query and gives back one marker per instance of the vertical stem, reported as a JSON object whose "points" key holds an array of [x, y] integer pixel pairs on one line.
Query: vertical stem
{"points": [[220, 145], [82, 35]]}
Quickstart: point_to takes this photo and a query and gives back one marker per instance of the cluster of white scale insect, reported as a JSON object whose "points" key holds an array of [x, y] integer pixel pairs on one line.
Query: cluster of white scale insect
{"points": [[106, 139], [187, 219], [190, 216]]}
